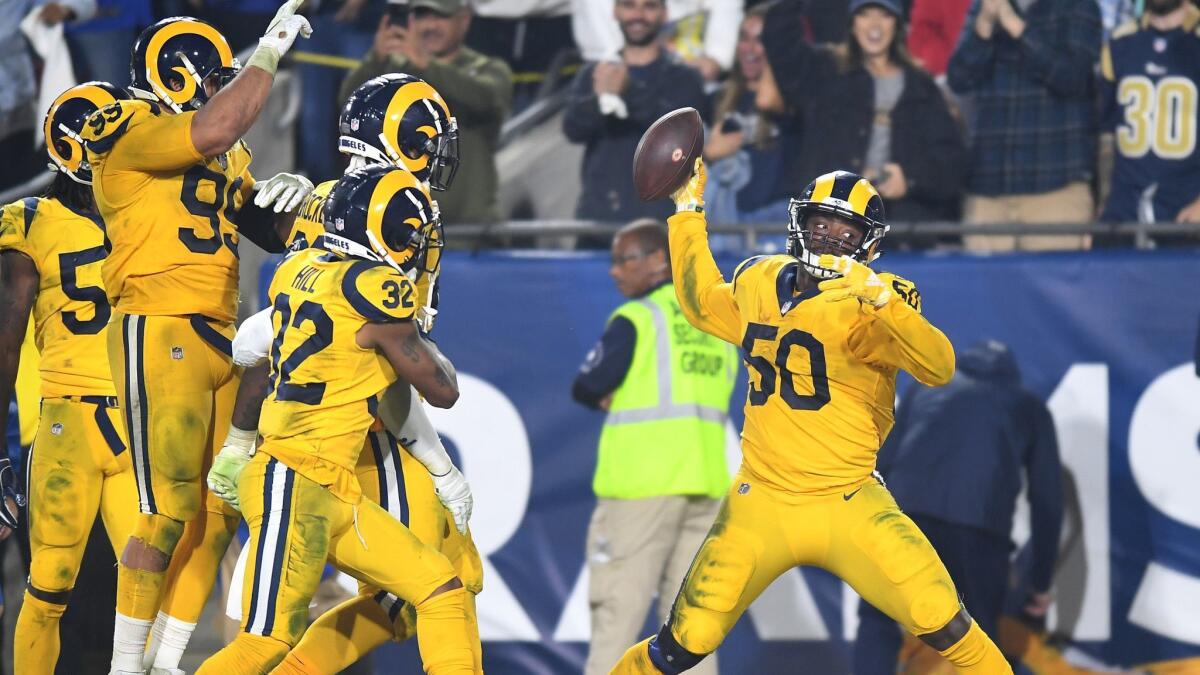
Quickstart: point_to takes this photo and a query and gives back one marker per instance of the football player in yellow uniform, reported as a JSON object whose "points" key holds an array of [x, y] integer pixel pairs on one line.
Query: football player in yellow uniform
{"points": [[169, 173], [51, 249], [343, 316], [402, 121], [823, 337]]}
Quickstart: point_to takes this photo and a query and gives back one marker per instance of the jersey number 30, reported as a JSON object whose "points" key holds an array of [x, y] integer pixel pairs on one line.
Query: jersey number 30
{"points": [[786, 378]]}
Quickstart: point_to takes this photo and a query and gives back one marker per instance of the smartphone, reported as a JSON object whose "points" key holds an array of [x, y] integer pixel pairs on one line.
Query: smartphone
{"points": [[731, 124], [397, 13]]}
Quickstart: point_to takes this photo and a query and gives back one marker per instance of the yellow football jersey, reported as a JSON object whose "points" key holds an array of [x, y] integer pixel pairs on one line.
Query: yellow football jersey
{"points": [[168, 211], [309, 223], [822, 373], [324, 387], [71, 310]]}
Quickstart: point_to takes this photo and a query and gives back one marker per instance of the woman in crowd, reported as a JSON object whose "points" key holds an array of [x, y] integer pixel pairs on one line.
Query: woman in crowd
{"points": [[747, 149], [864, 106]]}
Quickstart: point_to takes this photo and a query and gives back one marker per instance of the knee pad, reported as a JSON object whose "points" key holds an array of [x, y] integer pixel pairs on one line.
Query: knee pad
{"points": [[719, 575], [668, 656], [948, 635], [934, 606]]}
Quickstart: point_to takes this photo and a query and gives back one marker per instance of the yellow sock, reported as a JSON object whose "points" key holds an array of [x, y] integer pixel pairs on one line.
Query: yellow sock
{"points": [[247, 655], [338, 638], [194, 565], [443, 636], [636, 661], [976, 653], [139, 592], [36, 644]]}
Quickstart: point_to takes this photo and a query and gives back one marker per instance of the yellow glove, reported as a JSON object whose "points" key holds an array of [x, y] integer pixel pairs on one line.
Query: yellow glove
{"points": [[857, 281], [690, 197]]}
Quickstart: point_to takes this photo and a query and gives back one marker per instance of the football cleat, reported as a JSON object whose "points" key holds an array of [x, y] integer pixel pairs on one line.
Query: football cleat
{"points": [[401, 120], [175, 58], [64, 124], [845, 195], [383, 213]]}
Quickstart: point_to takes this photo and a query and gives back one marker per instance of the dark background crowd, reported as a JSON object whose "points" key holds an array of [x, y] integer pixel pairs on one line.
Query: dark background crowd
{"points": [[961, 111]]}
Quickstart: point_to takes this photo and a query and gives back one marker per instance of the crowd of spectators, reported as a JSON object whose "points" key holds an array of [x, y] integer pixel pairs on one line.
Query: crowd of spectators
{"points": [[972, 111]]}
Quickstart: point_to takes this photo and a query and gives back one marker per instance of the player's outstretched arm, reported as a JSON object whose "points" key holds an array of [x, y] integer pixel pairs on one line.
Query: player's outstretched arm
{"points": [[898, 336], [706, 300], [414, 358], [18, 289], [232, 111]]}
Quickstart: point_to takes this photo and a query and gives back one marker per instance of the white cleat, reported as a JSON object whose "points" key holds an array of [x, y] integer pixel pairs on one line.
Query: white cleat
{"points": [[166, 671]]}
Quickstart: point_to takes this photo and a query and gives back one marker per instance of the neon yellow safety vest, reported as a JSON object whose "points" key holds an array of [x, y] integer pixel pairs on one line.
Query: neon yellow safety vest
{"points": [[665, 431]]}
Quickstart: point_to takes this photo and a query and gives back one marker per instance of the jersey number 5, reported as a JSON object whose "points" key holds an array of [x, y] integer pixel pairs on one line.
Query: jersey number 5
{"points": [[68, 266], [312, 392], [787, 379]]}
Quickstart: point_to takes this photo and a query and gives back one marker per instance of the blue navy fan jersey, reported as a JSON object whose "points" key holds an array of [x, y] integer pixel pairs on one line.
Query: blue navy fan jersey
{"points": [[1151, 104]]}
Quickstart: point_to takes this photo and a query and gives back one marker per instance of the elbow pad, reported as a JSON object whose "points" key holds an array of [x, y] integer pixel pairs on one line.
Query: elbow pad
{"points": [[253, 340]]}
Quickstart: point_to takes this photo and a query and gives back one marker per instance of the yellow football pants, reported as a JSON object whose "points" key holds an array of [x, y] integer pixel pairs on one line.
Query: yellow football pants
{"points": [[177, 383], [392, 478], [860, 535], [295, 526], [78, 467]]}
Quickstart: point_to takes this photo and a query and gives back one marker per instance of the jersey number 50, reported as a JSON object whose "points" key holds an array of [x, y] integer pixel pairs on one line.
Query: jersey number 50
{"points": [[787, 379]]}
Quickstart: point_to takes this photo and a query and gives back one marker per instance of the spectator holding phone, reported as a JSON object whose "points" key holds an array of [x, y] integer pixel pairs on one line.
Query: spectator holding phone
{"points": [[746, 149], [425, 39], [864, 106]]}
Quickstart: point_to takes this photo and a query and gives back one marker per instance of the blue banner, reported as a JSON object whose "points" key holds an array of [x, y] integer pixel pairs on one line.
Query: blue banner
{"points": [[1107, 338]]}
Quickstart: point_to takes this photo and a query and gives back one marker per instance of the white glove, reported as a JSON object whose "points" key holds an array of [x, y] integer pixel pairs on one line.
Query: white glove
{"points": [[455, 494], [253, 340], [285, 190], [284, 28]]}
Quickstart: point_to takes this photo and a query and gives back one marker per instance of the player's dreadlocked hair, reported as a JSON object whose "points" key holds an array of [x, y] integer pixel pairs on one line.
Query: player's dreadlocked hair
{"points": [[71, 194]]}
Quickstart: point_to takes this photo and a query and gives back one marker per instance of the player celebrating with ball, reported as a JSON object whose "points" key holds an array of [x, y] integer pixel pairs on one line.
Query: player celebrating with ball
{"points": [[823, 337]]}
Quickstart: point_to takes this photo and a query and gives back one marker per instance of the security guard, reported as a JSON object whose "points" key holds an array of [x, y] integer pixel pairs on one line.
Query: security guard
{"points": [[661, 469]]}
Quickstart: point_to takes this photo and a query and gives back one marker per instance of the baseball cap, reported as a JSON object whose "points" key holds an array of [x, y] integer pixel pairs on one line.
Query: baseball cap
{"points": [[446, 7], [890, 5]]}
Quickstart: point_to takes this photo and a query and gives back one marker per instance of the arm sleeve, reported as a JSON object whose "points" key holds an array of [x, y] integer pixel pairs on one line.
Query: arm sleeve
{"points": [[795, 63], [379, 293], [704, 296], [929, 36], [607, 364], [258, 225], [1045, 496], [721, 31], [1065, 66], [253, 340], [582, 119], [972, 58], [896, 335], [135, 137], [478, 93]]}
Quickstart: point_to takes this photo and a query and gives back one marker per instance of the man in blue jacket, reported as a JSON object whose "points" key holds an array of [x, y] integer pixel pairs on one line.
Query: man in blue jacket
{"points": [[954, 462]]}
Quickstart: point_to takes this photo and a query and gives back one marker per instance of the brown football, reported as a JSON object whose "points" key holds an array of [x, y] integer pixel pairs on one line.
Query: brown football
{"points": [[666, 154]]}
